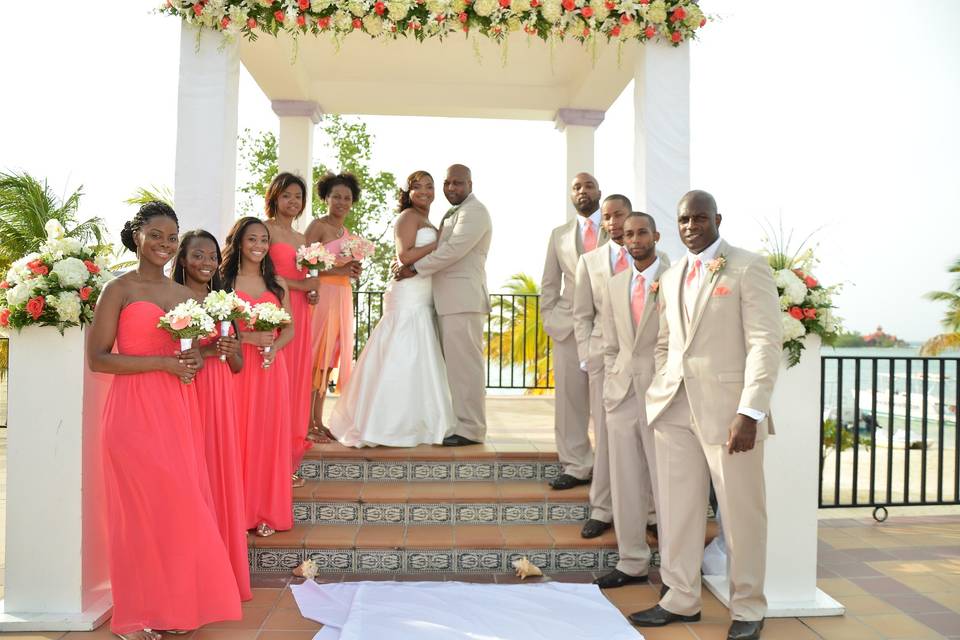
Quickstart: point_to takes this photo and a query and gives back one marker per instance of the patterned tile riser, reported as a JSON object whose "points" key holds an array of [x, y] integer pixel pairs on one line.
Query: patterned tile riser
{"points": [[439, 513], [434, 561], [356, 471]]}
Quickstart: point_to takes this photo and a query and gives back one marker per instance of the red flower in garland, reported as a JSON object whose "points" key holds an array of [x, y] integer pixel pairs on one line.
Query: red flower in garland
{"points": [[625, 19], [569, 5], [197, 9], [586, 31], [35, 307], [85, 292], [301, 20], [462, 17], [796, 312], [225, 22], [586, 12], [615, 31], [251, 23], [379, 8], [678, 15], [4, 317], [534, 3], [37, 267], [323, 22], [279, 15], [304, 5], [610, 5], [357, 24], [505, 4], [676, 37], [650, 31]]}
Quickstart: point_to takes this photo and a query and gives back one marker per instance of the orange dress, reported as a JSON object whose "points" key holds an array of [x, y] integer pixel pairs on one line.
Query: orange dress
{"points": [[263, 414], [168, 565], [298, 353], [216, 394], [332, 328]]}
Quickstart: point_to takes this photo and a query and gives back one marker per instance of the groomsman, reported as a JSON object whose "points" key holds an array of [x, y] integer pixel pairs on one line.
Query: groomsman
{"points": [[630, 328], [572, 406], [593, 271], [717, 359]]}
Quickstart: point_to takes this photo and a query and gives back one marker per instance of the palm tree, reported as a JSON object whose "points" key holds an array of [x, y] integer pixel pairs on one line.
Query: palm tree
{"points": [[26, 205], [951, 320], [143, 195], [516, 334]]}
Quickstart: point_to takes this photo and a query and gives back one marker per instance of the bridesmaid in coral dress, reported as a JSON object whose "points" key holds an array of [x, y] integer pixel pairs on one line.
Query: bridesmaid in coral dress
{"points": [[196, 266], [332, 328], [168, 566], [263, 387], [285, 201]]}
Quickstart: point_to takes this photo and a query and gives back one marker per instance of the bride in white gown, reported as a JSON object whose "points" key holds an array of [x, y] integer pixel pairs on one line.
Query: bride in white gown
{"points": [[398, 394]]}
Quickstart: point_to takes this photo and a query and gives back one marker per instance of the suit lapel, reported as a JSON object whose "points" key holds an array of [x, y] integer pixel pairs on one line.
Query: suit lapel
{"points": [[570, 243], [706, 290]]}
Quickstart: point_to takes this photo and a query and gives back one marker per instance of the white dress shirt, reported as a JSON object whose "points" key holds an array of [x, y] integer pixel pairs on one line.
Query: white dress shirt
{"points": [[582, 223], [648, 277], [690, 298]]}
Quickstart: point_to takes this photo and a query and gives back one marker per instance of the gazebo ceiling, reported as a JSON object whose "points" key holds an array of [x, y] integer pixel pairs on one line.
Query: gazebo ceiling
{"points": [[458, 77]]}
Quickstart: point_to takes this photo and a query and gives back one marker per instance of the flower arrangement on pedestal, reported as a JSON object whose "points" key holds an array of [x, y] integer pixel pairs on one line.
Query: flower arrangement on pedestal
{"points": [[805, 304], [57, 286], [673, 21]]}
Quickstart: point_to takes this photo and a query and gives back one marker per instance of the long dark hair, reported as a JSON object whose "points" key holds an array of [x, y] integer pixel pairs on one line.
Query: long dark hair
{"points": [[278, 186], [148, 210], [230, 265], [179, 271], [403, 199]]}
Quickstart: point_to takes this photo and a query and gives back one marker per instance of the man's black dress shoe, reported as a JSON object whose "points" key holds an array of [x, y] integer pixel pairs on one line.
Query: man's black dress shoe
{"points": [[593, 528], [659, 617], [745, 630], [565, 481], [617, 578], [458, 441]]}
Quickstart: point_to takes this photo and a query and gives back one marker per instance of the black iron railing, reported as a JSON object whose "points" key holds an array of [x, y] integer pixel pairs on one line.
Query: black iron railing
{"points": [[889, 432], [517, 350]]}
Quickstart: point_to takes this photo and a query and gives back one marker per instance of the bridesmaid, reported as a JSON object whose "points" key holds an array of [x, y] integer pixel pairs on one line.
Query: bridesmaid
{"points": [[285, 200], [332, 327], [263, 388], [196, 266], [168, 565]]}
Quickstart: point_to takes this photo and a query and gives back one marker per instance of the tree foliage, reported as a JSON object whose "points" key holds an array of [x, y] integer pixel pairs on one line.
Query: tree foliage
{"points": [[516, 336], [950, 339], [352, 146]]}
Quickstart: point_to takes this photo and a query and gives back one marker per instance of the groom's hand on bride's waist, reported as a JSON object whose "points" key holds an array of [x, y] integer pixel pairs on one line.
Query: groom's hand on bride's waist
{"points": [[400, 271]]}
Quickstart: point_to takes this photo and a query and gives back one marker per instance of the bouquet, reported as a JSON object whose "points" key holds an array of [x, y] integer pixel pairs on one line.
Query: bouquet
{"points": [[314, 257], [57, 286], [226, 307], [267, 316], [187, 321], [357, 248]]}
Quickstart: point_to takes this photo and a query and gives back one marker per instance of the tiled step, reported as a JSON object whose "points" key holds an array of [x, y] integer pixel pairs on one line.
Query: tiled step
{"points": [[438, 503], [491, 461], [428, 549]]}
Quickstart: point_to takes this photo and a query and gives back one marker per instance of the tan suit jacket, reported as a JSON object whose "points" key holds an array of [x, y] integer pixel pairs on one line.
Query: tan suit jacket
{"points": [[559, 278], [593, 272], [624, 346], [729, 355], [458, 265]]}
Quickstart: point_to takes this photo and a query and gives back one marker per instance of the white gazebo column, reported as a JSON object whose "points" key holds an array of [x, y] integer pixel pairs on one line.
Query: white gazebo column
{"points": [[579, 126], [206, 170], [661, 152], [295, 153]]}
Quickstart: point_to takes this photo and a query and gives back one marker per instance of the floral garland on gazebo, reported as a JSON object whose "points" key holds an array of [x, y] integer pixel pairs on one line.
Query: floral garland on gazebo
{"points": [[673, 21]]}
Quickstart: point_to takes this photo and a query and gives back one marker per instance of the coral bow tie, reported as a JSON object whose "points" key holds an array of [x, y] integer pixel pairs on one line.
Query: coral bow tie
{"points": [[589, 236]]}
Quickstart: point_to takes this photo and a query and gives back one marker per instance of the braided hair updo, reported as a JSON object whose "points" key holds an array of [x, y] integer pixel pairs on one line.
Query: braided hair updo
{"points": [[148, 210]]}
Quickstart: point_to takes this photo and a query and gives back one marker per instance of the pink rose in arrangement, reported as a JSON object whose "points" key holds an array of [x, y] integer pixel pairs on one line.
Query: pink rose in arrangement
{"points": [[650, 31], [810, 314], [796, 312], [675, 36], [37, 267], [177, 324], [85, 292], [811, 282], [35, 307], [4, 284], [4, 317], [586, 12], [91, 266]]}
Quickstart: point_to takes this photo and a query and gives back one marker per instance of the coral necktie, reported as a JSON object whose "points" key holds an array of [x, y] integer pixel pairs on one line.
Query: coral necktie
{"points": [[621, 261], [589, 236], [637, 299], [692, 273]]}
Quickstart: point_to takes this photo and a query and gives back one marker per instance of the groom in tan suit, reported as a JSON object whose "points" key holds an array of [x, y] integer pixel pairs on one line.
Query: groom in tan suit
{"points": [[717, 358], [572, 407], [458, 267]]}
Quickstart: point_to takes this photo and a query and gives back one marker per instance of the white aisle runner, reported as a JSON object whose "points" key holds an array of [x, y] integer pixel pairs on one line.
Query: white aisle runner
{"points": [[461, 611]]}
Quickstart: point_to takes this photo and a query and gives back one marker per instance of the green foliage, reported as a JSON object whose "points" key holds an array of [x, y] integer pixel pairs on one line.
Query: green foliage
{"points": [[950, 339], [846, 437], [143, 195], [352, 146], [26, 205], [520, 337]]}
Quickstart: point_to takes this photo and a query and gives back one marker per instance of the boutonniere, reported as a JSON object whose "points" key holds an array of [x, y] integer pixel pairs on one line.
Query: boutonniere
{"points": [[716, 265], [654, 288]]}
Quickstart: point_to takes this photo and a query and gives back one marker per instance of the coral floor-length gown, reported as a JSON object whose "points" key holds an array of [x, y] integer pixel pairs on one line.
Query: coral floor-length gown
{"points": [[216, 395], [168, 565], [263, 413], [298, 353], [332, 327]]}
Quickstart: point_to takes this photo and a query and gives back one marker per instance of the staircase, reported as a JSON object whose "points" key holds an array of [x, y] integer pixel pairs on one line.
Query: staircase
{"points": [[434, 509]]}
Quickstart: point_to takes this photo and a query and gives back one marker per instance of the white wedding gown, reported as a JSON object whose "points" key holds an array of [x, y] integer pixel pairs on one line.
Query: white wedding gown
{"points": [[398, 394]]}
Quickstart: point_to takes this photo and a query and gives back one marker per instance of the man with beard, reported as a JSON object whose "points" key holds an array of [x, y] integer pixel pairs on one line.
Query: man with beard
{"points": [[593, 271], [572, 393], [630, 328]]}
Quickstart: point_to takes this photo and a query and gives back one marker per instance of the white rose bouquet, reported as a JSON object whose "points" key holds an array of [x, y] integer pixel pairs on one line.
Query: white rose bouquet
{"points": [[226, 307], [267, 316], [314, 257]]}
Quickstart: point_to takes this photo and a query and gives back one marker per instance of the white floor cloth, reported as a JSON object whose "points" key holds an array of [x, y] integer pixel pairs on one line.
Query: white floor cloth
{"points": [[461, 611]]}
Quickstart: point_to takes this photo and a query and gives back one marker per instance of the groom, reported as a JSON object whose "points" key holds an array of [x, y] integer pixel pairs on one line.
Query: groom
{"points": [[461, 300]]}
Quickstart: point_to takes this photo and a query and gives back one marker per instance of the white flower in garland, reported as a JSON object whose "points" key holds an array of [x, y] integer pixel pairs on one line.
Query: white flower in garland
{"points": [[520, 6], [71, 272], [342, 20], [694, 16], [398, 9], [793, 329], [373, 24], [67, 304], [630, 30], [357, 7], [552, 10], [600, 11], [438, 6], [485, 8], [318, 6], [657, 12], [458, 6]]}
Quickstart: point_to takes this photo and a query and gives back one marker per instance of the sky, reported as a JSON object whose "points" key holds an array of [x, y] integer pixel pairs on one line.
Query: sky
{"points": [[838, 122]]}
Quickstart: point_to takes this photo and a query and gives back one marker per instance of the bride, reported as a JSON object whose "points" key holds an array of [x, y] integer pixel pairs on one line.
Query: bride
{"points": [[398, 395]]}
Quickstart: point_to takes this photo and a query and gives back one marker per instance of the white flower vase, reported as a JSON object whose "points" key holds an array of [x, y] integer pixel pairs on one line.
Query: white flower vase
{"points": [[56, 509], [791, 468]]}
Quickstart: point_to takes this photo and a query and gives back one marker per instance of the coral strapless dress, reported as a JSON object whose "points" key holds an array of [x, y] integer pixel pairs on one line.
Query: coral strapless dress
{"points": [[168, 565], [332, 327]]}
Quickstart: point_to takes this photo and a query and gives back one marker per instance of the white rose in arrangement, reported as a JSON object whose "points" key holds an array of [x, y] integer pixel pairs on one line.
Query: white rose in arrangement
{"points": [[793, 288], [657, 12], [600, 11], [373, 24], [438, 6], [19, 294], [520, 6], [342, 20], [67, 304], [54, 229], [19, 271], [318, 6], [484, 8], [631, 30], [552, 10], [357, 7], [62, 247], [398, 9], [792, 328], [71, 272], [458, 6], [694, 16]]}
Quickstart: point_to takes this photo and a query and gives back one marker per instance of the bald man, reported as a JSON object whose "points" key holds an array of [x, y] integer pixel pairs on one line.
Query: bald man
{"points": [[717, 358], [458, 267], [572, 407]]}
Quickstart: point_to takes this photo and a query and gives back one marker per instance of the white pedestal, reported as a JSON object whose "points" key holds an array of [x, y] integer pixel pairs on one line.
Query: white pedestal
{"points": [[790, 466], [56, 559]]}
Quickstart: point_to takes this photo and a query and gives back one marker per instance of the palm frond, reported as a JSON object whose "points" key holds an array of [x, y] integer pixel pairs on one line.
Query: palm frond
{"points": [[143, 195], [938, 344]]}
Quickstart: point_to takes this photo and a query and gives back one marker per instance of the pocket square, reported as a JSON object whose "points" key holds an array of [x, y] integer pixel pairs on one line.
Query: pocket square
{"points": [[721, 291]]}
